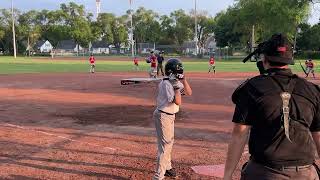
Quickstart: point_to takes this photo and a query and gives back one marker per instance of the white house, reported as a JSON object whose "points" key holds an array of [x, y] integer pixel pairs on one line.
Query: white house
{"points": [[189, 47], [145, 48], [100, 47], [211, 45], [68, 46], [43, 46]]}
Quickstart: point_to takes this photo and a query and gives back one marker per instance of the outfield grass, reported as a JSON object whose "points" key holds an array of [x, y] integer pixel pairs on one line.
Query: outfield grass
{"points": [[8, 65]]}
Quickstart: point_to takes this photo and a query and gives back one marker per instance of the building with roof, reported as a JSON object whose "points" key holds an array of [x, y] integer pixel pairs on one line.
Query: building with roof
{"points": [[100, 47], [189, 47], [68, 46], [211, 45], [43, 46]]}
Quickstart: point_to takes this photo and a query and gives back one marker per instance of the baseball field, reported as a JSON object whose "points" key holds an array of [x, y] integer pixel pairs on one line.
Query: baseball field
{"points": [[58, 121]]}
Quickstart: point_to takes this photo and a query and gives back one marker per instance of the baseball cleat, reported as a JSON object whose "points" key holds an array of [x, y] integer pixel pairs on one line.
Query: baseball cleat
{"points": [[170, 173]]}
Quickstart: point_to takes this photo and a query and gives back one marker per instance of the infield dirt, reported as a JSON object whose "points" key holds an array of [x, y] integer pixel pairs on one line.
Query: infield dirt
{"points": [[88, 126]]}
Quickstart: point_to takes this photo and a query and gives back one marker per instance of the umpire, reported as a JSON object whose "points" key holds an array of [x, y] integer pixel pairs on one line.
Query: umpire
{"points": [[280, 113], [160, 59]]}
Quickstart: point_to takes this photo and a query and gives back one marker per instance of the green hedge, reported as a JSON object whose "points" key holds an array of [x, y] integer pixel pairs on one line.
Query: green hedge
{"points": [[308, 54]]}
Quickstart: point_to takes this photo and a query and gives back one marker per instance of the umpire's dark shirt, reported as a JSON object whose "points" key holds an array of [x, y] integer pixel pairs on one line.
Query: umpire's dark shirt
{"points": [[259, 105], [160, 59]]}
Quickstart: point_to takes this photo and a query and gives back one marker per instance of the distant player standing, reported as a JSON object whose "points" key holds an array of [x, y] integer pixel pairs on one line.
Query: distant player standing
{"points": [[212, 65], [160, 59], [52, 53], [153, 68], [168, 102], [136, 63], [310, 68], [92, 61]]}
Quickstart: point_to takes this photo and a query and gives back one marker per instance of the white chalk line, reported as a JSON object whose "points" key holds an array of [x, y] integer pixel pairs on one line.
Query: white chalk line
{"points": [[66, 138]]}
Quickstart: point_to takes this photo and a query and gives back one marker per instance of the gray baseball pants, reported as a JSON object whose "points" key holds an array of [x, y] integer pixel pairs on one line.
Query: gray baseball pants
{"points": [[254, 171], [164, 124]]}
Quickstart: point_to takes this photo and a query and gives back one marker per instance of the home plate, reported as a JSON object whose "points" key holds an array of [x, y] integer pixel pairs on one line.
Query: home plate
{"points": [[139, 80], [213, 170]]}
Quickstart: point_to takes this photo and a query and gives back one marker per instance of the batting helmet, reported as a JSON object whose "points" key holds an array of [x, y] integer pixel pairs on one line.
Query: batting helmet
{"points": [[175, 67], [148, 60]]}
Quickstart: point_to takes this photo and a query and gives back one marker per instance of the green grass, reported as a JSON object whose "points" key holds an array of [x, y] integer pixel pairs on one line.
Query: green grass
{"points": [[9, 65]]}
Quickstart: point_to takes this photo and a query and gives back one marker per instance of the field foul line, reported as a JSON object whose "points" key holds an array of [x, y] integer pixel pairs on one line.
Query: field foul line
{"points": [[66, 138]]}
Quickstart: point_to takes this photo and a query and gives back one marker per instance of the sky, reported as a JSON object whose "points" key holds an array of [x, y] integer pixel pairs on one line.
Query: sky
{"points": [[119, 7]]}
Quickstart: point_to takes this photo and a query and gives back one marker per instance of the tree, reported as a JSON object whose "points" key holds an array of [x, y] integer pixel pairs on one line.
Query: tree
{"points": [[226, 29], [29, 28], [273, 16], [146, 26], [183, 24], [112, 29], [309, 38], [81, 32], [233, 27], [2, 34], [74, 16], [119, 32], [6, 23], [205, 28], [315, 37], [56, 33], [73, 11], [167, 30], [105, 22], [54, 26]]}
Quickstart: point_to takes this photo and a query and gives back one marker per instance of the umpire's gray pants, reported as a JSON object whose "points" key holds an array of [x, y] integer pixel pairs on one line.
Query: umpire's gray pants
{"points": [[165, 137], [254, 171]]}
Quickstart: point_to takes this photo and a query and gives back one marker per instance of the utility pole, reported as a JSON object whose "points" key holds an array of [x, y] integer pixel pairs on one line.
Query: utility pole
{"points": [[98, 7], [131, 29], [13, 32], [298, 30], [196, 26], [253, 40]]}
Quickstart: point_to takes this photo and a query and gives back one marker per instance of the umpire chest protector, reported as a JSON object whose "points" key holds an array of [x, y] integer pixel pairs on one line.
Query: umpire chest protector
{"points": [[280, 108], [285, 95]]}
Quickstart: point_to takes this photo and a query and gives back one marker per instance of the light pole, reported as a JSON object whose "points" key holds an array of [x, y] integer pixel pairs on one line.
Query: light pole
{"points": [[298, 30], [295, 39], [131, 29], [196, 26], [252, 40], [13, 32], [98, 7]]}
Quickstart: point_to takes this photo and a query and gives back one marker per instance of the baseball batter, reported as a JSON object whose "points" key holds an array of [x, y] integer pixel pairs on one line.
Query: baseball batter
{"points": [[153, 68], [168, 102], [310, 68], [92, 61]]}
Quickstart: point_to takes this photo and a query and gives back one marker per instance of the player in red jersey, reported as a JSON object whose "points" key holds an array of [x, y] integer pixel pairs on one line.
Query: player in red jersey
{"points": [[136, 63], [153, 67], [92, 61], [310, 68], [212, 65]]}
